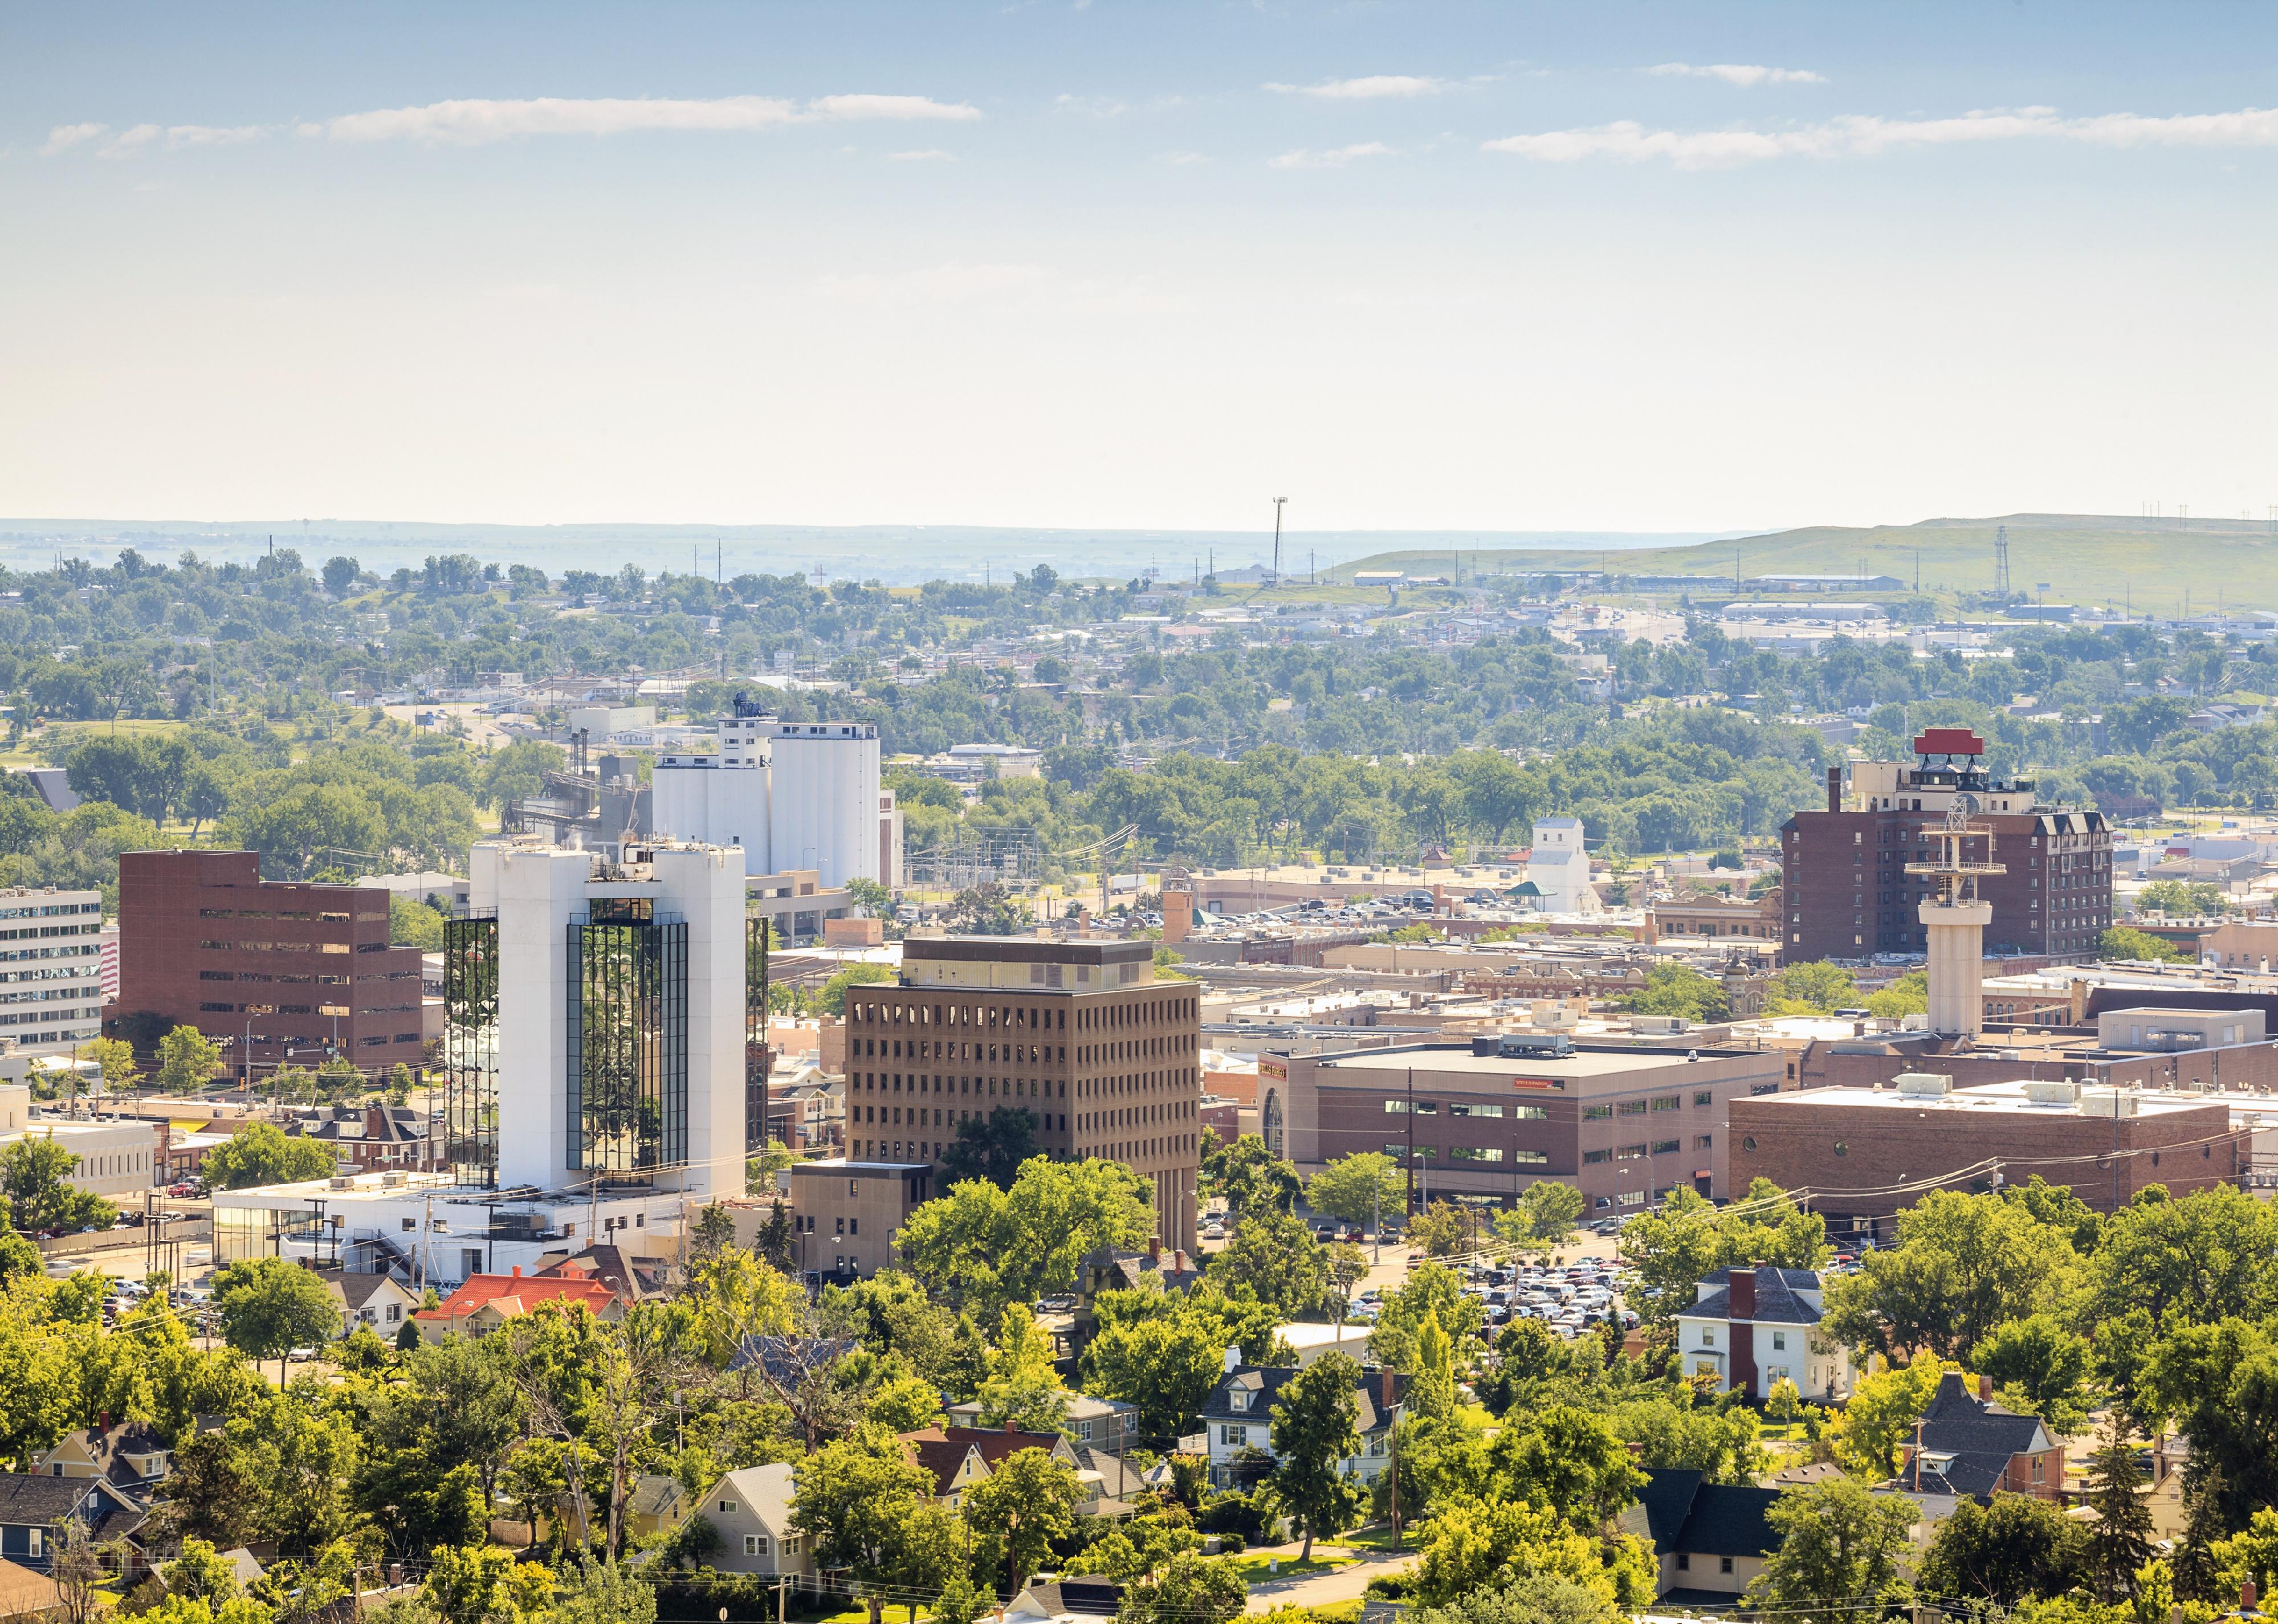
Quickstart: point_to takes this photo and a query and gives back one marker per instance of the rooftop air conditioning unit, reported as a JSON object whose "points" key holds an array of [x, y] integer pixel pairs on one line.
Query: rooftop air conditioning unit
{"points": [[1927, 1084]]}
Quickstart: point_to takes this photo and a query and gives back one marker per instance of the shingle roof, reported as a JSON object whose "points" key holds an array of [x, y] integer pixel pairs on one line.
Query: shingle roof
{"points": [[1682, 1513], [26, 1500], [1777, 1303], [1264, 1384], [1666, 1499], [942, 1450], [519, 1293], [1967, 1443]]}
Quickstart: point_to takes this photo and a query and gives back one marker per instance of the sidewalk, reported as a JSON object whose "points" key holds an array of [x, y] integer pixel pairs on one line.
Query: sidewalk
{"points": [[1318, 1590]]}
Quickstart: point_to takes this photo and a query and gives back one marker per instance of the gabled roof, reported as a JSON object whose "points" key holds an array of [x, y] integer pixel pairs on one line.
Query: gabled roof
{"points": [[25, 1593], [518, 1293], [944, 1450], [1090, 1596], [1777, 1302], [1264, 1384], [1967, 1442], [766, 1491], [605, 1263], [357, 1290], [28, 1501], [1685, 1513]]}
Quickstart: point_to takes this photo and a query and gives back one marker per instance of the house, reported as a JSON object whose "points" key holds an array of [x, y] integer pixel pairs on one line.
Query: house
{"points": [[368, 1138], [1066, 1601], [751, 1510], [25, 1594], [380, 1300], [1966, 1444], [30, 1507], [1751, 1325], [1102, 1424], [1708, 1539], [130, 1457], [1237, 1419], [656, 1504], [487, 1301], [610, 1266]]}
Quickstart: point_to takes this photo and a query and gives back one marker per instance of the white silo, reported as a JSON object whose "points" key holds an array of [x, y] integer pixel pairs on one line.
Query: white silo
{"points": [[720, 799], [823, 800]]}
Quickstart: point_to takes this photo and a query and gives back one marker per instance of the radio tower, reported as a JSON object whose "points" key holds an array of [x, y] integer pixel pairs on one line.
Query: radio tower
{"points": [[1277, 538], [2001, 560]]}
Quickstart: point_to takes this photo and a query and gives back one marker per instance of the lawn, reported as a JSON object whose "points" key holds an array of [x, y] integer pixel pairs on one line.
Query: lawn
{"points": [[1375, 1537], [1253, 1564]]}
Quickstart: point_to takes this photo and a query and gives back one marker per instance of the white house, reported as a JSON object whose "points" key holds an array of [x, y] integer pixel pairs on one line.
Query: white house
{"points": [[1753, 1325], [1238, 1417], [751, 1510]]}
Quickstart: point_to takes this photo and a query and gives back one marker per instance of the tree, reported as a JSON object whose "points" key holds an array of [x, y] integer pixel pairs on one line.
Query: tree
{"points": [[1679, 989], [864, 974], [211, 1494], [483, 1585], [1543, 1218], [1431, 1385], [260, 1154], [1250, 1178], [1689, 1238], [2123, 941], [2208, 1256], [269, 1306], [1881, 1412], [413, 923], [1818, 987], [34, 1177], [2197, 1576], [1165, 1352], [983, 1247], [1314, 1432], [2043, 1366], [113, 1057], [187, 1060], [857, 1498], [1840, 1547], [1470, 1546], [1020, 1510], [2119, 1540], [1445, 1230], [2219, 1382], [1964, 1264], [1431, 1293], [1530, 1598], [992, 1149], [599, 1592], [2011, 1550], [1274, 1257], [2250, 1553], [1359, 1187], [1191, 1588], [340, 572], [1023, 1391]]}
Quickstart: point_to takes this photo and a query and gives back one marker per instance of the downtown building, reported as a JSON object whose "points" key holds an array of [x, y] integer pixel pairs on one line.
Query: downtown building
{"points": [[277, 971], [1845, 890], [1079, 1035], [51, 980]]}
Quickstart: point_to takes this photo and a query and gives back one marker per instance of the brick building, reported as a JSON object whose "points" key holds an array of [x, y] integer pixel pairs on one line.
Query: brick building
{"points": [[1846, 892], [1864, 1153], [294, 967], [1079, 1033], [1622, 1125]]}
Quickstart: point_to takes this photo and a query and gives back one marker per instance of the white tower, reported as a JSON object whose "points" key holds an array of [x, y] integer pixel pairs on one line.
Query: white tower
{"points": [[824, 800], [1954, 921]]}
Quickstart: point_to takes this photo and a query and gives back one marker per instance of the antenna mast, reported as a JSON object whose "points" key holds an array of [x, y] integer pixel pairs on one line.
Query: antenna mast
{"points": [[2001, 560], [1277, 538]]}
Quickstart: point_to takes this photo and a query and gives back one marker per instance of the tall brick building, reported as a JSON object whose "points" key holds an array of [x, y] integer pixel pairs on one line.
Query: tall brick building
{"points": [[1844, 883], [1080, 1034], [206, 941]]}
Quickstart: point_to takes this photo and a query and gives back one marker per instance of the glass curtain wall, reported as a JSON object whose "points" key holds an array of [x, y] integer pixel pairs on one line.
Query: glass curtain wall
{"points": [[756, 1059], [471, 1008], [628, 1039]]}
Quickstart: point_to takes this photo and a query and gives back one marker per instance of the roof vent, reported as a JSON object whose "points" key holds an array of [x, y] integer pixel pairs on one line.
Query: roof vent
{"points": [[2053, 1091], [1925, 1084]]}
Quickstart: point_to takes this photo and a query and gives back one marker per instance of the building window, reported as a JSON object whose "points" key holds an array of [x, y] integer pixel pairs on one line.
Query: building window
{"points": [[1724, 1565], [1704, 1096], [1779, 1343], [1704, 1141], [1665, 1146], [1596, 1113], [1684, 1562], [1233, 1437], [1749, 1143], [1707, 1336], [1842, 1148], [751, 1544], [1591, 1157]]}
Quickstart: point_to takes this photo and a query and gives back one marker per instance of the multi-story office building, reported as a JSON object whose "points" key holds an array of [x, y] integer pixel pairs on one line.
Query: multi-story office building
{"points": [[1844, 887], [277, 971], [51, 969], [1080, 1035], [596, 1020], [1477, 1125], [795, 795]]}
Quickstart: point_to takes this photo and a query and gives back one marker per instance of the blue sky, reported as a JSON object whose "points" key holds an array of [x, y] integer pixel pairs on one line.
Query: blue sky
{"points": [[1509, 267]]}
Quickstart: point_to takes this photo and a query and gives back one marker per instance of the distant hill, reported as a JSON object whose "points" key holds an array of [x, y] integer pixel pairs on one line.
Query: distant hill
{"points": [[2085, 559]]}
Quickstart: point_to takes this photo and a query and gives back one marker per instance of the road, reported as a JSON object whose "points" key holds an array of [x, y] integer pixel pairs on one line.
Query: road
{"points": [[1318, 1590]]}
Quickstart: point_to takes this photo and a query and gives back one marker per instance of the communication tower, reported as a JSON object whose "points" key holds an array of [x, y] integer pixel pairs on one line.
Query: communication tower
{"points": [[2001, 560]]}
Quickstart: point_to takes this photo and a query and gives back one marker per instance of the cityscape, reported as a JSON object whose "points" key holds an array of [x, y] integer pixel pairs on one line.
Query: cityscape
{"points": [[1558, 907]]}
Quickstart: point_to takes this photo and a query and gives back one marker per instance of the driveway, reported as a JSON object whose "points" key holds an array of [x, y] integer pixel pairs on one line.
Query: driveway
{"points": [[1347, 1583]]}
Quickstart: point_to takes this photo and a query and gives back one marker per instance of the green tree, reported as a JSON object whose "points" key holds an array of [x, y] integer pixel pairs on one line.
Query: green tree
{"points": [[1019, 1511], [483, 1585], [834, 990], [35, 1179], [1249, 1177], [1689, 1238], [1445, 1228], [2220, 1384], [1818, 987], [993, 1147], [1165, 1352], [187, 1060], [591, 1591], [2043, 1366], [1543, 1218], [1189, 1587], [1679, 989], [1432, 1387], [2120, 1539], [1429, 1292], [2204, 1258], [1909, 995], [269, 1306], [1358, 1187], [1881, 1412], [1274, 1257], [260, 1154], [858, 1498], [1964, 1264], [413, 923], [1314, 1432], [2123, 941], [1471, 1546], [114, 1057], [2250, 1553], [1023, 1389], [1530, 1598], [2011, 1550], [983, 1247], [1840, 1548]]}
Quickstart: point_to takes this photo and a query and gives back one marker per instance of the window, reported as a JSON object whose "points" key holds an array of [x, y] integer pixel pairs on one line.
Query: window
{"points": [[1749, 1143], [1779, 1342], [751, 1544], [1531, 1158], [1707, 1336], [1704, 1096], [1665, 1146], [1842, 1148], [1704, 1141], [1596, 1113], [1629, 1153], [1724, 1565], [1233, 1437], [789, 1546], [1631, 1108], [1667, 1102], [1462, 1109], [1240, 1399], [1591, 1157], [1396, 1108], [1475, 1153], [1684, 1562], [1530, 1113]]}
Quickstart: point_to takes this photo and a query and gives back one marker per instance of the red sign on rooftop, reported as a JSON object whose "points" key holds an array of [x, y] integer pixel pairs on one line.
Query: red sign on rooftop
{"points": [[1948, 742]]}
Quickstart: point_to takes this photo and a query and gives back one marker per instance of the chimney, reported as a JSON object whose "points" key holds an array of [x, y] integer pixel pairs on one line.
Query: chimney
{"points": [[517, 1272], [1835, 789], [1179, 1261], [1233, 1361], [1389, 1400], [1154, 1248], [1009, 1427], [2246, 1596], [1985, 1389], [1742, 1292]]}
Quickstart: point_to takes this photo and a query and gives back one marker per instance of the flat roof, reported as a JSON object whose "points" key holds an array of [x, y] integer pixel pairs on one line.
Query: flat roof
{"points": [[1025, 950], [840, 1167], [1579, 1065], [1997, 1098]]}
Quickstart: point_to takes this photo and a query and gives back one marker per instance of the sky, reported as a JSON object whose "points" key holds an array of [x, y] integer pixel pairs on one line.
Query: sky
{"points": [[1630, 265]]}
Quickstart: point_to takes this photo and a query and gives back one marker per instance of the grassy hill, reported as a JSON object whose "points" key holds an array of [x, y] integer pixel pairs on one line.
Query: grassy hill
{"points": [[2150, 564]]}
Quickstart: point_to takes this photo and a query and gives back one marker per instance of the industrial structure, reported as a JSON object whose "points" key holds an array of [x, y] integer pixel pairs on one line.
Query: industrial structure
{"points": [[792, 795]]}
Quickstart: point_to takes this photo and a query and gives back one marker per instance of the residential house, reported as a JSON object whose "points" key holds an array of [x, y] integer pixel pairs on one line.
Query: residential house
{"points": [[25, 1594], [610, 1266], [1708, 1539], [380, 1300], [130, 1457], [368, 1138], [1752, 1325], [751, 1510], [960, 1457], [487, 1301], [1066, 1601], [1104, 1424], [1238, 1417], [655, 1503], [1966, 1444], [32, 1507]]}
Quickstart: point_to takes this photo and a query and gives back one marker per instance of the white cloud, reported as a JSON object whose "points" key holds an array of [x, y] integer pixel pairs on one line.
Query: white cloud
{"points": [[1740, 73], [65, 136], [1336, 157], [474, 122], [1860, 135], [1376, 86], [929, 155]]}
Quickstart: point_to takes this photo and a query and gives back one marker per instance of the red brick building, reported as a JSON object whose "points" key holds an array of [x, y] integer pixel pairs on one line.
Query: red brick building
{"points": [[206, 941], [1848, 894]]}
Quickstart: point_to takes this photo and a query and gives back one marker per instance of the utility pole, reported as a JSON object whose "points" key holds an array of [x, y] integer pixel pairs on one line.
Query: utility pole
{"points": [[1278, 501], [1407, 1218]]}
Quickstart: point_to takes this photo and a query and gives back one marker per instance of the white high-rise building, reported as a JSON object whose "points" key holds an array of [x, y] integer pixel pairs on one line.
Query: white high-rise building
{"points": [[51, 975], [792, 795], [1559, 868], [617, 1050]]}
